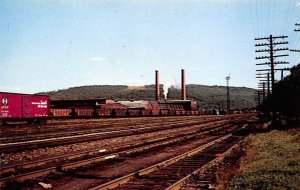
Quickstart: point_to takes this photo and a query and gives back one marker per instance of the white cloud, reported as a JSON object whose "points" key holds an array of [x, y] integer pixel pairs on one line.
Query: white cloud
{"points": [[298, 4], [97, 59]]}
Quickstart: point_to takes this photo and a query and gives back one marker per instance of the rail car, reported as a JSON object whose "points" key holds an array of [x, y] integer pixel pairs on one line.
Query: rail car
{"points": [[111, 108], [99, 113], [36, 109], [20, 107]]}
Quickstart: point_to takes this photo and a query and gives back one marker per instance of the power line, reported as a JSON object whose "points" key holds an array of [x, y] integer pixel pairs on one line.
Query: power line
{"points": [[297, 29], [288, 11], [292, 13], [257, 24], [285, 22], [271, 50], [251, 14], [269, 15], [290, 26], [271, 43], [296, 51], [273, 10]]}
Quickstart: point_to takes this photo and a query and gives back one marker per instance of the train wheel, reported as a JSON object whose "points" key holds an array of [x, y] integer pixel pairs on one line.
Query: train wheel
{"points": [[30, 121], [41, 121], [3, 122]]}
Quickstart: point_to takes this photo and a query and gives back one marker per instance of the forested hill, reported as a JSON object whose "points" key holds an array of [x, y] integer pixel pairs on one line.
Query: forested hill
{"points": [[212, 96], [206, 96]]}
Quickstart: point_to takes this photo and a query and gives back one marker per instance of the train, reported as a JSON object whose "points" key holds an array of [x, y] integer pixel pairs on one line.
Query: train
{"points": [[18, 107], [37, 109]]}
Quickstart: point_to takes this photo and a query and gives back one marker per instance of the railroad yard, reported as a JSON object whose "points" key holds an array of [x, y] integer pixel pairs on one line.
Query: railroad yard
{"points": [[80, 109], [121, 153]]}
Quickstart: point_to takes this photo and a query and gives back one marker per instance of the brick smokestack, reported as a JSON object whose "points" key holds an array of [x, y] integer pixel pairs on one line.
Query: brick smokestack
{"points": [[183, 87], [157, 95]]}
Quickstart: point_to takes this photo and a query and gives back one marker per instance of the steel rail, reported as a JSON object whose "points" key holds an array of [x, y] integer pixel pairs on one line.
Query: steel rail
{"points": [[13, 147], [156, 167], [122, 153], [32, 137], [204, 168], [91, 123], [13, 168], [35, 134]]}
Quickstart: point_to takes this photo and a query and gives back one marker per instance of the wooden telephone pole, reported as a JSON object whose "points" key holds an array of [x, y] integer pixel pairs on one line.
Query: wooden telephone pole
{"points": [[271, 51]]}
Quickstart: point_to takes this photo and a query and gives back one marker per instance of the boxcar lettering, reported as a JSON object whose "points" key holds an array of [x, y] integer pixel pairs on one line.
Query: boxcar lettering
{"points": [[4, 101]]}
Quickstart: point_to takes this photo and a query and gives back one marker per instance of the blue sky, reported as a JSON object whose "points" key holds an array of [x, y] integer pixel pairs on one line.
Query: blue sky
{"points": [[50, 45]]}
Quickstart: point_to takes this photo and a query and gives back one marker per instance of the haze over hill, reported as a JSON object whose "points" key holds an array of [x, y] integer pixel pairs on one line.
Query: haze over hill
{"points": [[206, 96]]}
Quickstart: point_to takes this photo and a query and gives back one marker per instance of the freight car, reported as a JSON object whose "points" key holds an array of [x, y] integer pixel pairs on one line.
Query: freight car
{"points": [[20, 107], [102, 113], [109, 108], [37, 108]]}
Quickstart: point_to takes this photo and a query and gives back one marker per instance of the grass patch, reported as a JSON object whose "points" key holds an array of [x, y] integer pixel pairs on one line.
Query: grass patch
{"points": [[276, 164]]}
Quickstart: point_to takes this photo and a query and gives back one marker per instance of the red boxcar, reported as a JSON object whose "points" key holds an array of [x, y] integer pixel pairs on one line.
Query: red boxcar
{"points": [[33, 108]]}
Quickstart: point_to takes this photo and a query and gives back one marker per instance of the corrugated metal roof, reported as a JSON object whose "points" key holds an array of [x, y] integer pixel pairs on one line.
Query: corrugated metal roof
{"points": [[113, 106], [135, 104]]}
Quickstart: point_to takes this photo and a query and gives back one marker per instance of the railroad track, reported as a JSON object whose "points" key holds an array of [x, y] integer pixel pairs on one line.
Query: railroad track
{"points": [[11, 138], [172, 173], [89, 123], [77, 126], [73, 125], [35, 169], [51, 142]]}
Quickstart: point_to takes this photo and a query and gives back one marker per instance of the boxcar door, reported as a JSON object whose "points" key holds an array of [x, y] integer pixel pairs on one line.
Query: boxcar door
{"points": [[26, 106]]}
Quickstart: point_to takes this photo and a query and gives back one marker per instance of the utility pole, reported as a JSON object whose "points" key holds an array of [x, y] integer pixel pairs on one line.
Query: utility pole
{"points": [[268, 84], [222, 105], [264, 91], [228, 94], [295, 50], [257, 99], [265, 76], [297, 29], [271, 50]]}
